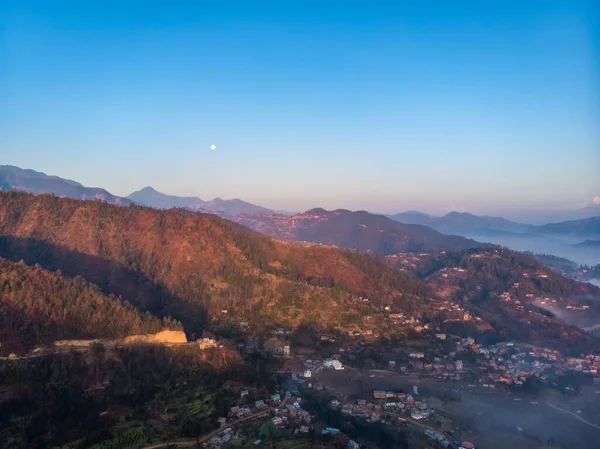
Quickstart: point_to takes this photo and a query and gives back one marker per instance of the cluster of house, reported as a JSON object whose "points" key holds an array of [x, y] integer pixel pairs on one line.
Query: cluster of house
{"points": [[448, 271], [512, 363], [312, 367], [403, 402], [356, 333], [206, 343], [444, 442], [280, 350], [409, 260], [289, 416], [223, 437], [239, 411], [333, 363], [456, 312], [583, 274], [521, 306], [511, 297], [444, 369], [327, 338], [335, 431], [437, 436], [388, 401], [552, 303], [292, 416], [506, 297], [278, 345]]}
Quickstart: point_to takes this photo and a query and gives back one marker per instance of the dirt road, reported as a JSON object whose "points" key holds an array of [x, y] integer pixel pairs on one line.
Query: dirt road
{"points": [[574, 414]]}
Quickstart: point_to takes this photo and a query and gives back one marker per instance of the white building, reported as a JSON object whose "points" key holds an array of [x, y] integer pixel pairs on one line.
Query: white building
{"points": [[333, 363], [205, 343]]}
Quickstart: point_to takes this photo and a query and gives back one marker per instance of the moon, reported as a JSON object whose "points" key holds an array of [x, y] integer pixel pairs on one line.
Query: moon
{"points": [[213, 147]]}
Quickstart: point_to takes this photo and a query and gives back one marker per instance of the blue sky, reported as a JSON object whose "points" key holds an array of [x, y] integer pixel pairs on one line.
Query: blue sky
{"points": [[363, 105]]}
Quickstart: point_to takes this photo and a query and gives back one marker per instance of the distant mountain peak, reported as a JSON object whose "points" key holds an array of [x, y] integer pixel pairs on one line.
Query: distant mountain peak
{"points": [[416, 212], [15, 178], [459, 214], [316, 211], [584, 227], [462, 223], [589, 244], [149, 196]]}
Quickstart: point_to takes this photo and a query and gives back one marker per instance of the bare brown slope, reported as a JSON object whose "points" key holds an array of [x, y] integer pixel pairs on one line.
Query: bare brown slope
{"points": [[193, 266]]}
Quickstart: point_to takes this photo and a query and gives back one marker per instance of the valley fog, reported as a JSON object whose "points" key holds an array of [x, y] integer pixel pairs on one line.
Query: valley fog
{"points": [[562, 247], [596, 282]]}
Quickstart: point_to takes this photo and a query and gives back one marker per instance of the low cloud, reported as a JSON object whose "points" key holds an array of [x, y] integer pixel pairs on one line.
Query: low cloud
{"points": [[596, 200]]}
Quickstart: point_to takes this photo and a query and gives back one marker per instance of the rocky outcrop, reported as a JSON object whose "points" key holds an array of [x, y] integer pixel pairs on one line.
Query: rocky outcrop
{"points": [[165, 336]]}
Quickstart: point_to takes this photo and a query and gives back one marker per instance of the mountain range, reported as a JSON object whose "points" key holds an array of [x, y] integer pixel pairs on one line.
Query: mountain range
{"points": [[589, 244], [588, 227], [532, 217], [150, 197], [198, 268], [461, 222], [360, 230], [465, 223], [561, 239], [207, 272], [15, 178], [407, 231]]}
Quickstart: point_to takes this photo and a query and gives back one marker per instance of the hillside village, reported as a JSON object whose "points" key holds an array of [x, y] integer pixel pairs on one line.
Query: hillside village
{"points": [[504, 366]]}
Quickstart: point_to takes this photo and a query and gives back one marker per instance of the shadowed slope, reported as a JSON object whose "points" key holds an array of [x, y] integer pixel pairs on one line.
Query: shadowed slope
{"points": [[38, 307]]}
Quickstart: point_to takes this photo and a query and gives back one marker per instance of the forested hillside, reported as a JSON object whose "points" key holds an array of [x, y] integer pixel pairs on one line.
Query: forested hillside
{"points": [[196, 268], [507, 289], [485, 270], [39, 307], [360, 230], [92, 396]]}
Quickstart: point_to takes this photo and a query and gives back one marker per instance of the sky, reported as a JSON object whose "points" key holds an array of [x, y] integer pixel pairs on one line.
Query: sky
{"points": [[485, 107]]}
